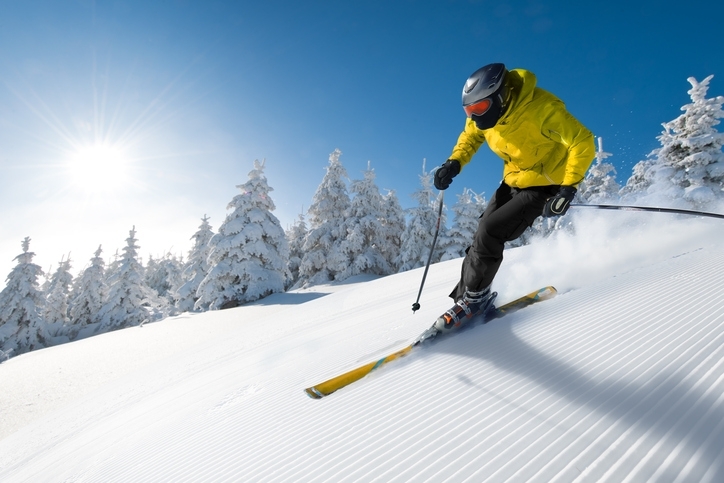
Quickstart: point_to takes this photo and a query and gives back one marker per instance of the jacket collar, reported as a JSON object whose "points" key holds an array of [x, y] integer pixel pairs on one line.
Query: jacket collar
{"points": [[523, 84]]}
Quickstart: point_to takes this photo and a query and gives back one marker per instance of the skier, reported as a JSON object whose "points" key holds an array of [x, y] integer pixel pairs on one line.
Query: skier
{"points": [[546, 153]]}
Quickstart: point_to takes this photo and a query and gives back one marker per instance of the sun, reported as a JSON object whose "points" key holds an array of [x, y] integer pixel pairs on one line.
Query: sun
{"points": [[98, 168]]}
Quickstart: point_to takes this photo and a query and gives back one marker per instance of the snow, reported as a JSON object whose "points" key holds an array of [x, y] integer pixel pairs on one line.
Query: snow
{"points": [[619, 378]]}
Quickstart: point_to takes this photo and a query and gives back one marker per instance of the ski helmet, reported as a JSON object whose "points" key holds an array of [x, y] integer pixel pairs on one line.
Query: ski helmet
{"points": [[486, 95]]}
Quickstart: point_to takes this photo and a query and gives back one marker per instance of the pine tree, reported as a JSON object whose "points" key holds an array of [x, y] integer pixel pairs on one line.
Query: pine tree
{"points": [[57, 299], [691, 145], [295, 238], [89, 296], [22, 327], [363, 245], [163, 275], [689, 165], [249, 255], [599, 185], [196, 268], [150, 271], [130, 301], [419, 233], [322, 262], [639, 182], [467, 210], [393, 221], [113, 267]]}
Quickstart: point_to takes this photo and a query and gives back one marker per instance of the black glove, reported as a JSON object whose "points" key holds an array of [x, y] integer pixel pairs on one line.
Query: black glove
{"points": [[559, 204], [445, 174]]}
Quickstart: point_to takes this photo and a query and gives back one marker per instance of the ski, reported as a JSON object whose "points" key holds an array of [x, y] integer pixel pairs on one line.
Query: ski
{"points": [[328, 387]]}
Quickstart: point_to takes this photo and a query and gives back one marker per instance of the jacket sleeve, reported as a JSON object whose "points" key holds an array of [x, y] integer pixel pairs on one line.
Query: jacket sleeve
{"points": [[578, 140], [468, 143]]}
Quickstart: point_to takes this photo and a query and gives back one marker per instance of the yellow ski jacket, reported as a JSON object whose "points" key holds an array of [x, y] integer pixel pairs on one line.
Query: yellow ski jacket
{"points": [[540, 142]]}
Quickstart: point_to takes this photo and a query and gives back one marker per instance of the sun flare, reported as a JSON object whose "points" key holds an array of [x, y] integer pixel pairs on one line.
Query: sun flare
{"points": [[98, 168]]}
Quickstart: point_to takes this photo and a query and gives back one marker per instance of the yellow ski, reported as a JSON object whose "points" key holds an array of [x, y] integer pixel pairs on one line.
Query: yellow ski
{"points": [[328, 387]]}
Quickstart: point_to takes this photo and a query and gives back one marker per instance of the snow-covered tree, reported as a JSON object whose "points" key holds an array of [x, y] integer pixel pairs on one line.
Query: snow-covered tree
{"points": [[196, 269], [89, 295], [163, 275], [393, 221], [57, 298], [22, 327], [249, 255], [420, 231], [639, 181], [295, 238], [689, 165], [130, 301], [322, 261], [363, 244], [113, 266], [150, 270], [467, 210], [599, 185]]}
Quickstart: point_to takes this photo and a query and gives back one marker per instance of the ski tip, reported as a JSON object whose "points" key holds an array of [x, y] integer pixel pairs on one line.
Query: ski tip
{"points": [[546, 292], [314, 393]]}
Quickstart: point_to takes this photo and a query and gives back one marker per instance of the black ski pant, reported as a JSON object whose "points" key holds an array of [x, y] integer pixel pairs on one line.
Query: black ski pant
{"points": [[507, 216]]}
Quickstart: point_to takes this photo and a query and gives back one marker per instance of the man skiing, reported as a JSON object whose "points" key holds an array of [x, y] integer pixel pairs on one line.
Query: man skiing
{"points": [[546, 153]]}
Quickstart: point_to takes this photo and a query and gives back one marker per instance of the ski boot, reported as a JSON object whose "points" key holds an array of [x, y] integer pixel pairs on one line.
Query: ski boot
{"points": [[472, 304]]}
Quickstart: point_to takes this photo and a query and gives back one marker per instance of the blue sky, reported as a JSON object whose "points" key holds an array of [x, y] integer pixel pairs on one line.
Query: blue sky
{"points": [[179, 97]]}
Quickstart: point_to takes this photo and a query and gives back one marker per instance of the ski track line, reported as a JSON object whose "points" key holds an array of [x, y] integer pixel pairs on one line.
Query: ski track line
{"points": [[658, 468], [560, 455], [557, 455], [692, 467], [609, 445], [649, 456], [690, 470], [626, 447]]}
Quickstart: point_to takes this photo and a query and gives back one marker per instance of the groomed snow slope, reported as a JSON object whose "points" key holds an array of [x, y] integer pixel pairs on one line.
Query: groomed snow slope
{"points": [[619, 378]]}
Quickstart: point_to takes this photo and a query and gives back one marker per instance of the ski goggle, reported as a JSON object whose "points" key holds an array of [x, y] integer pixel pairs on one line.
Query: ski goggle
{"points": [[478, 108]]}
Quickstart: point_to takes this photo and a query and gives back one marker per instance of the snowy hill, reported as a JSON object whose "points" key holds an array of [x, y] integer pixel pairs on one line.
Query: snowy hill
{"points": [[619, 378]]}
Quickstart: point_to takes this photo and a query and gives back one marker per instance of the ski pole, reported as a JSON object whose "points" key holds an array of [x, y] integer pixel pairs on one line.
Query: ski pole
{"points": [[416, 305], [650, 208]]}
